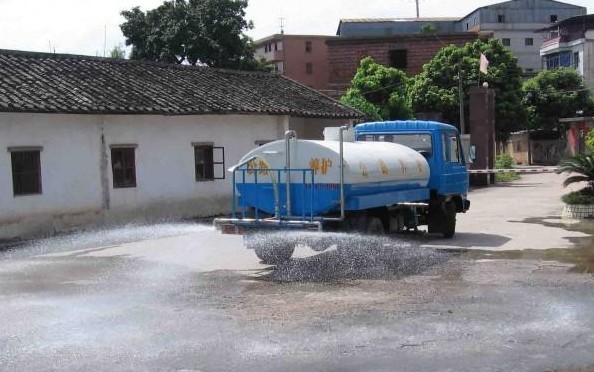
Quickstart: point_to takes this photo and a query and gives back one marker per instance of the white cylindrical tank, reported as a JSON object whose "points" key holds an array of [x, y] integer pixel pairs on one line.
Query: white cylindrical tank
{"points": [[369, 168], [365, 162]]}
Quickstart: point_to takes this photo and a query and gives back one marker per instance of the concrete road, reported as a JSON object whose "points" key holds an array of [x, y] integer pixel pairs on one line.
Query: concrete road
{"points": [[515, 293]]}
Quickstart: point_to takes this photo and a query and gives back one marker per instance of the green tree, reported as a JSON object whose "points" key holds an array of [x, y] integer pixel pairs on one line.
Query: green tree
{"points": [[379, 91], [555, 94], [117, 52], [206, 32], [436, 88]]}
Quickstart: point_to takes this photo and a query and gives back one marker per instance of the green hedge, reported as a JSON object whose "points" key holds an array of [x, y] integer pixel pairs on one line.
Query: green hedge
{"points": [[583, 196], [505, 161]]}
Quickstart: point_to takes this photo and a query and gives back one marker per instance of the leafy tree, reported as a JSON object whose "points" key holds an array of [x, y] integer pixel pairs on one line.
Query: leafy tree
{"points": [[555, 94], [379, 91], [206, 32], [117, 52], [436, 88]]}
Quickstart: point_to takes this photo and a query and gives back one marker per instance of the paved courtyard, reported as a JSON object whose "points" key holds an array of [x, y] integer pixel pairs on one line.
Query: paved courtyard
{"points": [[513, 290]]}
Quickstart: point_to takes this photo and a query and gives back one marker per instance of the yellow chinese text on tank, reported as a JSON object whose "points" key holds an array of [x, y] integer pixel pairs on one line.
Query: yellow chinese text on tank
{"points": [[383, 167]]}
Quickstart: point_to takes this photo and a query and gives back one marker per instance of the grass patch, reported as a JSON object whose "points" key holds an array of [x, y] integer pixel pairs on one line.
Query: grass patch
{"points": [[507, 177]]}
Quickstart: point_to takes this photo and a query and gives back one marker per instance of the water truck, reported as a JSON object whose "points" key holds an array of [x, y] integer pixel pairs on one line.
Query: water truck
{"points": [[375, 178]]}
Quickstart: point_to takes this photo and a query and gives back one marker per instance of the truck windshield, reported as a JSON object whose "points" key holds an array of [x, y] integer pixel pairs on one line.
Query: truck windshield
{"points": [[416, 141]]}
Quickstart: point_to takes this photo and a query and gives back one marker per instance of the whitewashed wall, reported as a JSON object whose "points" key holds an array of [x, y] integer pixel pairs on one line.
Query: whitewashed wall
{"points": [[76, 167], [587, 60]]}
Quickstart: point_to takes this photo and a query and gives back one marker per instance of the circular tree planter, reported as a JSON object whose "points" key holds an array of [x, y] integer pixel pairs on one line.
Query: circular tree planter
{"points": [[578, 211]]}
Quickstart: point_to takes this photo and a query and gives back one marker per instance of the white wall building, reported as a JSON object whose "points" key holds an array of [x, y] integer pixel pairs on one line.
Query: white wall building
{"points": [[570, 44], [78, 147], [515, 22]]}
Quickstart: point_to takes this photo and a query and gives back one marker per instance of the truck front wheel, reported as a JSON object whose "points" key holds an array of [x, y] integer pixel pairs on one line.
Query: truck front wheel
{"points": [[449, 222]]}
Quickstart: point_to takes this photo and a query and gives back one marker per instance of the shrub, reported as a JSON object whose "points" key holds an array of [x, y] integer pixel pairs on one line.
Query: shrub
{"points": [[583, 196], [505, 161], [590, 140]]}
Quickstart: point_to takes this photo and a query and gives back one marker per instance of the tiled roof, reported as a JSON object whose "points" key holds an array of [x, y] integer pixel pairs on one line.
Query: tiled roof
{"points": [[60, 83]]}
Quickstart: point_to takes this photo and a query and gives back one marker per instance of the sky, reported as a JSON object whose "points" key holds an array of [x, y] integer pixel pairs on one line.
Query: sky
{"points": [[91, 27]]}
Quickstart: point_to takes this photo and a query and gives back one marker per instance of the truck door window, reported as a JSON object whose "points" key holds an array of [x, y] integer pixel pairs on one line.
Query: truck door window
{"points": [[451, 148], [416, 141]]}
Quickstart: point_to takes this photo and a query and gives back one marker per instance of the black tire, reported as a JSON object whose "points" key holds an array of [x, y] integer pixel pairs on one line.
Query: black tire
{"points": [[375, 226], [449, 223], [275, 254]]}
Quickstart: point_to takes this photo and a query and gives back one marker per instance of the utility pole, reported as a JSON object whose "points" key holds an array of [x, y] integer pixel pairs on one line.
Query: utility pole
{"points": [[461, 99], [418, 14]]}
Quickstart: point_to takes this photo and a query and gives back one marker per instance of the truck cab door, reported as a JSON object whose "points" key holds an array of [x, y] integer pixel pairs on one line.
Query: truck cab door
{"points": [[455, 175]]}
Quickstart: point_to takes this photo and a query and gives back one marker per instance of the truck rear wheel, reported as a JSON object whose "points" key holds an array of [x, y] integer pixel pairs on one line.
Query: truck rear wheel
{"points": [[449, 223], [365, 224], [274, 254], [375, 226]]}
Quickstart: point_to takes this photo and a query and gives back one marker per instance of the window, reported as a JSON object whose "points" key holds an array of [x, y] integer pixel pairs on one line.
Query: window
{"points": [[451, 148], [398, 59], [552, 61], [501, 18], [576, 60], [554, 18], [309, 68], [26, 171], [123, 165], [419, 142], [528, 41], [308, 47], [275, 46], [467, 26], [506, 42], [209, 162]]}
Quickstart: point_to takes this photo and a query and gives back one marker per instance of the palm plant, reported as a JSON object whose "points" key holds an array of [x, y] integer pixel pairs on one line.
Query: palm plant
{"points": [[580, 168]]}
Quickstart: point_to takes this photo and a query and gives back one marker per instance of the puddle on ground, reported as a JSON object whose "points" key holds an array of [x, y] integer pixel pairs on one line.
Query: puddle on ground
{"points": [[581, 256]]}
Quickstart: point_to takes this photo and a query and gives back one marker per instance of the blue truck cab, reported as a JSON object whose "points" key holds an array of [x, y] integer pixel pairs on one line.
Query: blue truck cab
{"points": [[439, 143]]}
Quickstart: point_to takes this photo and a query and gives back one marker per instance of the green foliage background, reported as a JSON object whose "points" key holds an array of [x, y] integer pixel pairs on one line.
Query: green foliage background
{"points": [[555, 94], [436, 88], [206, 32], [378, 91]]}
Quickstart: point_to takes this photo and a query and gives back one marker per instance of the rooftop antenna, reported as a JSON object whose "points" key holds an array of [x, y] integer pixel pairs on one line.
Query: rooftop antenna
{"points": [[282, 22], [104, 40]]}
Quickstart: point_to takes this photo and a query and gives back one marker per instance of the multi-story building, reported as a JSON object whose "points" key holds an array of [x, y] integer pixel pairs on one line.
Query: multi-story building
{"points": [[513, 22], [570, 43], [303, 58], [516, 22]]}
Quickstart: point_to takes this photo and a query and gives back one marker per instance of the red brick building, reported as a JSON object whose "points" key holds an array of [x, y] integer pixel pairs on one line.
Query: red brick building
{"points": [[303, 58], [405, 52]]}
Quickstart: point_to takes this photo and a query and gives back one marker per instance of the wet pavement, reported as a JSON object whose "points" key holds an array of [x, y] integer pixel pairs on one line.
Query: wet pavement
{"points": [[513, 290]]}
